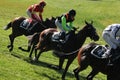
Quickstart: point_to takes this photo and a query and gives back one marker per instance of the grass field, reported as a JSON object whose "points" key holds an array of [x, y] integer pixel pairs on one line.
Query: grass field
{"points": [[13, 65]]}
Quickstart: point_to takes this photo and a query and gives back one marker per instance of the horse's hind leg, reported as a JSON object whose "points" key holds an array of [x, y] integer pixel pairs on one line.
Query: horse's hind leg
{"points": [[77, 70], [25, 50], [83, 65], [11, 37], [28, 48]]}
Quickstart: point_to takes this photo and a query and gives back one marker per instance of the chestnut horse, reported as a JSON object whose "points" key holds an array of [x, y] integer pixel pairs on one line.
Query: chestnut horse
{"points": [[70, 49], [18, 31], [85, 59]]}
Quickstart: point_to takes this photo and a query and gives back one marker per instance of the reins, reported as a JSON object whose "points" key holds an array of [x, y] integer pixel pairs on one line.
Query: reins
{"points": [[42, 25], [67, 54]]}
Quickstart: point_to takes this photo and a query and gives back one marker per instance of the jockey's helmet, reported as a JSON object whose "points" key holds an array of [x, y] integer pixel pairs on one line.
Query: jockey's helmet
{"points": [[42, 3], [72, 12]]}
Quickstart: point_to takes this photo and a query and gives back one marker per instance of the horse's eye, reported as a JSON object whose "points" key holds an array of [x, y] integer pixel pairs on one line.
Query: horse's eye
{"points": [[89, 28]]}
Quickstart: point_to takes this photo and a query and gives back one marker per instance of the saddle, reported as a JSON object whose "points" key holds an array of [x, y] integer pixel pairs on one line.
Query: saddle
{"points": [[27, 23], [58, 37], [99, 50]]}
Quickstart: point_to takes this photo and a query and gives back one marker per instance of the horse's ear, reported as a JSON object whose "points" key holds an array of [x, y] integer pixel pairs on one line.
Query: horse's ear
{"points": [[86, 22], [47, 19], [92, 22], [52, 17]]}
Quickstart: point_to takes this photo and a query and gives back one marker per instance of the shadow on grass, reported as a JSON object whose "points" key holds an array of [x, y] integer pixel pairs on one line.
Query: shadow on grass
{"points": [[17, 55], [94, 0], [55, 67], [46, 65]]}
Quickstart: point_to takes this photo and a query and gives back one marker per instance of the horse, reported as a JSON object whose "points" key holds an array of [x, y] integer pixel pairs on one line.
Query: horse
{"points": [[86, 57], [34, 27], [71, 47]]}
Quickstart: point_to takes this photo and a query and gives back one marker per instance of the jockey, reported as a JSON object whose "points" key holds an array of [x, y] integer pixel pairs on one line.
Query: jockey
{"points": [[64, 22], [111, 35], [34, 9]]}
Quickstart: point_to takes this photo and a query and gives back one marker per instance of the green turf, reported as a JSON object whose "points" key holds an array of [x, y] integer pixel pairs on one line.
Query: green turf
{"points": [[14, 65]]}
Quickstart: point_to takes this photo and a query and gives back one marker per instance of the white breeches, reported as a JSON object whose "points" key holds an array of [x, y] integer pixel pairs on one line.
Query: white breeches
{"points": [[111, 41], [59, 25], [32, 15]]}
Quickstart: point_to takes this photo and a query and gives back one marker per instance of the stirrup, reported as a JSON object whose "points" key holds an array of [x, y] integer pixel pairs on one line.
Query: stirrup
{"points": [[105, 56], [109, 63], [62, 41]]}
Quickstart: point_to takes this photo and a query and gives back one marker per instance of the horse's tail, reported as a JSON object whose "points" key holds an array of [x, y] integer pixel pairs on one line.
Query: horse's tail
{"points": [[9, 25]]}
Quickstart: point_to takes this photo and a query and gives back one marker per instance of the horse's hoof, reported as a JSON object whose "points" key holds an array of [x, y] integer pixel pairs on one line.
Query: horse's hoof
{"points": [[30, 58], [10, 49], [55, 67], [8, 46], [19, 47], [76, 74], [63, 78], [35, 59]]}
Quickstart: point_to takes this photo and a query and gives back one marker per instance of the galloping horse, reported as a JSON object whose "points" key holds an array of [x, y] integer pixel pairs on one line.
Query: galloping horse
{"points": [[71, 47], [86, 58], [18, 31]]}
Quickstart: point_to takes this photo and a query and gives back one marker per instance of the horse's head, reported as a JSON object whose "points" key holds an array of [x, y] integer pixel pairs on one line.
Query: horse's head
{"points": [[50, 22], [91, 31]]}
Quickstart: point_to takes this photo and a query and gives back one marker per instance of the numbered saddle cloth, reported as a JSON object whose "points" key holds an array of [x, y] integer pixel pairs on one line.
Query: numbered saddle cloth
{"points": [[98, 51], [26, 23], [55, 37]]}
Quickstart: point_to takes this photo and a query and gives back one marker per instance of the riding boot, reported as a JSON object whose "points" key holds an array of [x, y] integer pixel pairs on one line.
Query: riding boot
{"points": [[116, 54], [112, 52], [106, 54], [62, 37]]}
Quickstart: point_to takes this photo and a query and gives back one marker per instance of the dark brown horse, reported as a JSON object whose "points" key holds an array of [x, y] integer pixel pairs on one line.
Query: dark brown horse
{"points": [[34, 27], [85, 59], [70, 49]]}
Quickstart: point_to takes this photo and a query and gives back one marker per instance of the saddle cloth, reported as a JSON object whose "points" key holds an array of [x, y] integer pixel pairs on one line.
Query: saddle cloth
{"points": [[26, 23], [55, 37], [59, 37], [98, 51]]}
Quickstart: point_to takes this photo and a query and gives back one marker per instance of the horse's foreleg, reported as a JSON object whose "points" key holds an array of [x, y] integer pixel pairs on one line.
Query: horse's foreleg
{"points": [[92, 74], [30, 55], [61, 61], [76, 72], [11, 37], [70, 60], [37, 56]]}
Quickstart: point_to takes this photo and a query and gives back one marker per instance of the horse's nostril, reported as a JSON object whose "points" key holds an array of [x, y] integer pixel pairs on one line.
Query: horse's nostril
{"points": [[97, 38]]}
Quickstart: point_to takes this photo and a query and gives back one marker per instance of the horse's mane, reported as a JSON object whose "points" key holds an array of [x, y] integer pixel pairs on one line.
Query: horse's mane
{"points": [[51, 18]]}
